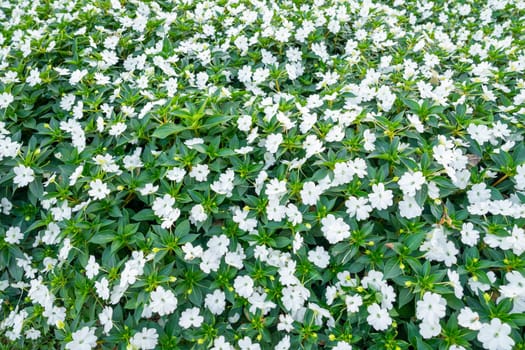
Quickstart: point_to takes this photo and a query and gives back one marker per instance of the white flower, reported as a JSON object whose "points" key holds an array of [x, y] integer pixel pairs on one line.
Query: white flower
{"points": [[358, 207], [478, 286], [132, 269], [453, 276], [431, 308], [312, 145], [133, 161], [246, 344], [49, 264], [197, 214], [293, 214], [378, 318], [117, 129], [469, 235], [194, 141], [199, 172], [83, 339], [385, 97], [411, 182], [176, 174], [64, 251], [146, 339], [107, 163], [438, 248], [225, 183], [219, 244], [335, 134], [479, 133], [345, 280], [297, 242], [77, 76], [190, 318], [388, 296], [67, 102], [284, 344], [23, 175], [6, 99], [495, 335], [334, 230], [342, 345], [370, 139], [456, 347], [55, 314], [33, 334], [6, 206], [415, 122], [148, 189], [275, 189], [243, 286], [353, 302], [102, 288], [162, 207], [244, 123], [429, 329], [516, 286], [520, 177], [285, 323], [76, 175], [163, 301], [469, 319], [275, 211], [13, 235], [310, 193], [216, 302], [380, 198], [319, 257], [211, 261], [273, 141], [374, 279], [98, 189], [236, 258], [92, 267], [408, 208], [191, 252], [478, 193], [105, 318], [220, 343]]}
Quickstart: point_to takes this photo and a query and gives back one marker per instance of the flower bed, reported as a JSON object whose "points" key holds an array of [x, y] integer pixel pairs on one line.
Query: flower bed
{"points": [[257, 175]]}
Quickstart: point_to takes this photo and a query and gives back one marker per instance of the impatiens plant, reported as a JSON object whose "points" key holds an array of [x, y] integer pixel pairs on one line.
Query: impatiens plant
{"points": [[234, 174]]}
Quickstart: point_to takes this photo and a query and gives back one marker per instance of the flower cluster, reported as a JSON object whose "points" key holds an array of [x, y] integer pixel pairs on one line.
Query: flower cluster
{"points": [[234, 174]]}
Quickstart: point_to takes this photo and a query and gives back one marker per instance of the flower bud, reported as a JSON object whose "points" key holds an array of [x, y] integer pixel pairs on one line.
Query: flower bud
{"points": [[486, 296]]}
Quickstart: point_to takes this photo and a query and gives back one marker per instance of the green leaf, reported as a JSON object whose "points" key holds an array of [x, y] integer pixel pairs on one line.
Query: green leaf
{"points": [[405, 296], [168, 129], [144, 215], [182, 228], [215, 121], [196, 296], [391, 269], [413, 105], [281, 242], [103, 237]]}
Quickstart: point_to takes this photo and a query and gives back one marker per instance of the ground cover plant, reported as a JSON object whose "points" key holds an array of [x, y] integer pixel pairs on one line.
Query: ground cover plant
{"points": [[233, 174]]}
